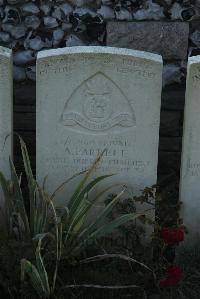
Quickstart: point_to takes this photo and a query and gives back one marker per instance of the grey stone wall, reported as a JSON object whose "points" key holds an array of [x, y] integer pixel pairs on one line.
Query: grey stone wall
{"points": [[168, 27]]}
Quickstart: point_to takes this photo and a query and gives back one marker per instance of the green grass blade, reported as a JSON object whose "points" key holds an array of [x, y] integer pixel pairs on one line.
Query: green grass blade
{"points": [[61, 187], [78, 220], [4, 185], [8, 202], [17, 198], [27, 268], [41, 213], [108, 228], [85, 191], [102, 216], [32, 185], [84, 180], [26, 161], [41, 268], [85, 234]]}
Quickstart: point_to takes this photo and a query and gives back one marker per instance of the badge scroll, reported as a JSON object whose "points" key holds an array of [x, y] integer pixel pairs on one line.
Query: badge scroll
{"points": [[98, 104]]}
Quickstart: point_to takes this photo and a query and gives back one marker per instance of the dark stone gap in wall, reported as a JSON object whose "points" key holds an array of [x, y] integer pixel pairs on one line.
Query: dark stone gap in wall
{"points": [[24, 122]]}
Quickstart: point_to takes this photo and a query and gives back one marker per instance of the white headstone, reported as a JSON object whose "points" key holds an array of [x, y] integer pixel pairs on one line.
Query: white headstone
{"points": [[6, 83], [190, 170], [95, 98]]}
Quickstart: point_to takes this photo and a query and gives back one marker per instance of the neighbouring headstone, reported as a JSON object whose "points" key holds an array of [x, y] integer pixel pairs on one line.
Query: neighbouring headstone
{"points": [[190, 170], [169, 39], [6, 83], [95, 98]]}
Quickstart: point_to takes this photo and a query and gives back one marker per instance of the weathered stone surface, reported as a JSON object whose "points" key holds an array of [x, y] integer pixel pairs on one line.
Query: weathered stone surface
{"points": [[167, 39], [95, 98], [190, 172], [5, 108]]}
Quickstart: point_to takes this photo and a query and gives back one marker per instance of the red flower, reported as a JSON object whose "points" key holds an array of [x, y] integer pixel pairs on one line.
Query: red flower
{"points": [[172, 236], [174, 276]]}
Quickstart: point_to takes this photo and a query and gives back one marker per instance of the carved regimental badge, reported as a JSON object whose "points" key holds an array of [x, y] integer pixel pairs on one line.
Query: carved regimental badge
{"points": [[98, 104]]}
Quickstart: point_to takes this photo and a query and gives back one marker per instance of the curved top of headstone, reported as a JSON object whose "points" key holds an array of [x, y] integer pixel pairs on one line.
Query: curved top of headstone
{"points": [[194, 59], [99, 50], [5, 52]]}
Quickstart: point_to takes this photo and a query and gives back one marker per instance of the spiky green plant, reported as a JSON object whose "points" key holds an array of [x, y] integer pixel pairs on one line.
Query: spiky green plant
{"points": [[74, 236], [20, 222], [68, 229], [43, 282]]}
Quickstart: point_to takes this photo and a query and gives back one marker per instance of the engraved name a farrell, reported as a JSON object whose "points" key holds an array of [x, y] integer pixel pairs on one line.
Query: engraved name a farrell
{"points": [[98, 104], [96, 152]]}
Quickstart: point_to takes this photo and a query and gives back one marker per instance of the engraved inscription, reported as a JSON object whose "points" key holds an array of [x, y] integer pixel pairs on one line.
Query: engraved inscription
{"points": [[80, 153], [193, 168], [66, 66], [98, 104], [116, 164]]}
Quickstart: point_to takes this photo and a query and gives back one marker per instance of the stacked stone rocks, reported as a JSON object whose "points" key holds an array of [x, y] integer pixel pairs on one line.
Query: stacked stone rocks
{"points": [[30, 26]]}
